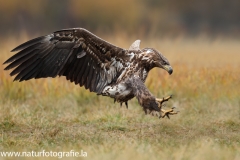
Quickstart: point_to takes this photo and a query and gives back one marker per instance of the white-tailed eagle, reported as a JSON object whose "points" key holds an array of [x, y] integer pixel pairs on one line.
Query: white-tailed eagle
{"points": [[87, 60]]}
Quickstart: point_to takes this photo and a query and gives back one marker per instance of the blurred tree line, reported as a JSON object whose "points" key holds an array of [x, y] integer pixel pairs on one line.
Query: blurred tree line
{"points": [[173, 17]]}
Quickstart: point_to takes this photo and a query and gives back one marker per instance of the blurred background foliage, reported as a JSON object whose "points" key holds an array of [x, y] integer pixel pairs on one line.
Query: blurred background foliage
{"points": [[144, 17]]}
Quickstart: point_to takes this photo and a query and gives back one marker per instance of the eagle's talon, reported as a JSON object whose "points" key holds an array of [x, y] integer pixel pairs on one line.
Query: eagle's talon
{"points": [[168, 112], [160, 101]]}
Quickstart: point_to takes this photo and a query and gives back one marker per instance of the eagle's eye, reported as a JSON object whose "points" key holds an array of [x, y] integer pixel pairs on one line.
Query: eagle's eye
{"points": [[164, 63]]}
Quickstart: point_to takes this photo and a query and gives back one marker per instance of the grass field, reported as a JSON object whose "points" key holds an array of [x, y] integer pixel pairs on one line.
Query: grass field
{"points": [[56, 115]]}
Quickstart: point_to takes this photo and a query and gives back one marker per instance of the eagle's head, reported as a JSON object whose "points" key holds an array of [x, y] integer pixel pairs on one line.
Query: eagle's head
{"points": [[156, 59]]}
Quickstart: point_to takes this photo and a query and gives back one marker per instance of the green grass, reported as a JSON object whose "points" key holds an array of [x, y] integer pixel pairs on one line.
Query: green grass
{"points": [[53, 114]]}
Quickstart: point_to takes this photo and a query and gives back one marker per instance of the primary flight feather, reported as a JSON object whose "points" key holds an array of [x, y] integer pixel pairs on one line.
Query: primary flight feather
{"points": [[87, 60]]}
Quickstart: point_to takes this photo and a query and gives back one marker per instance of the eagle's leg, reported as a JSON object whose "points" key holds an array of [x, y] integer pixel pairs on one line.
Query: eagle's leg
{"points": [[126, 103], [163, 112]]}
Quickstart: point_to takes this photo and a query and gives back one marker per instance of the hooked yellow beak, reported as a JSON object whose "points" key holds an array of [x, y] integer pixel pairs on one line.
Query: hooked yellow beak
{"points": [[168, 68]]}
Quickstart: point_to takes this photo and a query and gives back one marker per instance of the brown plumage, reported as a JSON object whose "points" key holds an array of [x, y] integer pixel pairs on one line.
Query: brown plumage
{"points": [[87, 60]]}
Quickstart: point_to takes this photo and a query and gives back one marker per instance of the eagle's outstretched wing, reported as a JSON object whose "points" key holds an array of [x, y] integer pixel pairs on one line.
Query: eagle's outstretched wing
{"points": [[75, 53]]}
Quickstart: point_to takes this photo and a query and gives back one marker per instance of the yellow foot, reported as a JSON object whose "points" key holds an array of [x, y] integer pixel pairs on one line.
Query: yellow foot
{"points": [[167, 112], [164, 99], [163, 112]]}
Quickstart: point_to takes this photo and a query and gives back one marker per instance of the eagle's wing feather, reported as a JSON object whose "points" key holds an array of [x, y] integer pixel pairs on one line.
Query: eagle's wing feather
{"points": [[144, 96], [75, 53]]}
